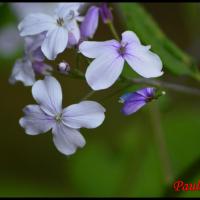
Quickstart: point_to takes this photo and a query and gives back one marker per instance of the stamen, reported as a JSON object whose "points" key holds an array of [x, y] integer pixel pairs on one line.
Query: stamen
{"points": [[58, 117], [60, 21]]}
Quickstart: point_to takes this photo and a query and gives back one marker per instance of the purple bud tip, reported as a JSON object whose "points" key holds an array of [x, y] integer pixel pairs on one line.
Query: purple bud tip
{"points": [[136, 100], [106, 13], [63, 67]]}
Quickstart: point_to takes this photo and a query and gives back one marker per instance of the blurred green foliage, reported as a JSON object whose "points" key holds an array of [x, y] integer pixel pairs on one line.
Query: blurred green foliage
{"points": [[174, 59]]}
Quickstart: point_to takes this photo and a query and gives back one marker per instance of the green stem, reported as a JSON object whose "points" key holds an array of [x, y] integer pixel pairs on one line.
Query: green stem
{"points": [[88, 95], [166, 85], [160, 142], [113, 30], [76, 73]]}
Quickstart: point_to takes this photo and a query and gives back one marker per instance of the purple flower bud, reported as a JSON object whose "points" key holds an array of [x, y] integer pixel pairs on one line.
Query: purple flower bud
{"points": [[106, 13], [136, 100], [90, 22], [64, 68]]}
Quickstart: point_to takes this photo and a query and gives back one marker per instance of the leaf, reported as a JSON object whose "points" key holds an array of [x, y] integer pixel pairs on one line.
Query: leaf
{"points": [[174, 59]]}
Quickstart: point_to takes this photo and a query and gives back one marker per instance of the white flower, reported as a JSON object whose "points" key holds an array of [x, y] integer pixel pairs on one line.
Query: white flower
{"points": [[57, 28], [65, 123], [111, 55]]}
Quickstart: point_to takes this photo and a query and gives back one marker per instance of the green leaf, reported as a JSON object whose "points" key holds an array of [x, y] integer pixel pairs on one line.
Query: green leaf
{"points": [[174, 59]]}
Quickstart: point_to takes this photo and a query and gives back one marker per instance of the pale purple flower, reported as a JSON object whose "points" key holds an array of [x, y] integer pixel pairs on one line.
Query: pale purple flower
{"points": [[111, 55], [57, 28], [32, 63], [65, 123], [91, 20], [136, 100]]}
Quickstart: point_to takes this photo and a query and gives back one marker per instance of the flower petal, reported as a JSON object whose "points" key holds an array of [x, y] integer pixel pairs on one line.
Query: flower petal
{"points": [[129, 37], [146, 92], [131, 107], [48, 95], [42, 68], [36, 23], [73, 29], [86, 114], [66, 139], [104, 71], [35, 120], [55, 42], [90, 23], [23, 71], [144, 62], [33, 43], [95, 49], [65, 9]]}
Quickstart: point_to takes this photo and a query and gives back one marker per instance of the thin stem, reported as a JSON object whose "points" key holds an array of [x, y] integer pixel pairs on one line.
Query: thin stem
{"points": [[113, 30], [160, 142], [166, 85], [76, 73], [88, 95]]}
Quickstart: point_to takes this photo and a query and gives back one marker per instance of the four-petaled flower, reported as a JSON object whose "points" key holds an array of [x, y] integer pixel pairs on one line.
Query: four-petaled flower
{"points": [[59, 28], [111, 55], [65, 123], [136, 100]]}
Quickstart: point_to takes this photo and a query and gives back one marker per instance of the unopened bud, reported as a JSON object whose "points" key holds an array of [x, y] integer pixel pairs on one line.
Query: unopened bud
{"points": [[63, 67], [106, 13]]}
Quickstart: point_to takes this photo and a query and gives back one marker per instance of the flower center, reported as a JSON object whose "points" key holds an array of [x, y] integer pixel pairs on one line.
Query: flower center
{"points": [[58, 117], [122, 49], [60, 21]]}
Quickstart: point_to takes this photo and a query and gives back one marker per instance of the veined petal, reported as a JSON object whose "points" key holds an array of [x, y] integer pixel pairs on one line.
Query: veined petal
{"points": [[42, 68], [35, 120], [55, 42], [48, 95], [36, 23], [33, 43], [134, 101], [90, 23], [104, 71], [131, 107], [144, 62], [23, 71], [66, 139], [95, 49], [86, 114], [129, 37], [73, 29]]}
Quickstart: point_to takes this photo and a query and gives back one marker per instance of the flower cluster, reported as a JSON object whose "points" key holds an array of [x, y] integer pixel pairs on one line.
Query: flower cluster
{"points": [[47, 36]]}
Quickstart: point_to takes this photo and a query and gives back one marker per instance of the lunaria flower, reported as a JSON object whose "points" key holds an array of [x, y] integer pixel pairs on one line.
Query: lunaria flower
{"points": [[136, 100], [65, 123], [90, 23], [111, 55], [32, 63], [59, 28]]}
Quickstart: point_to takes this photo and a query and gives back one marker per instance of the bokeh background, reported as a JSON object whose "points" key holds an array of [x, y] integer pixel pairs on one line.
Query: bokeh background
{"points": [[136, 156]]}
